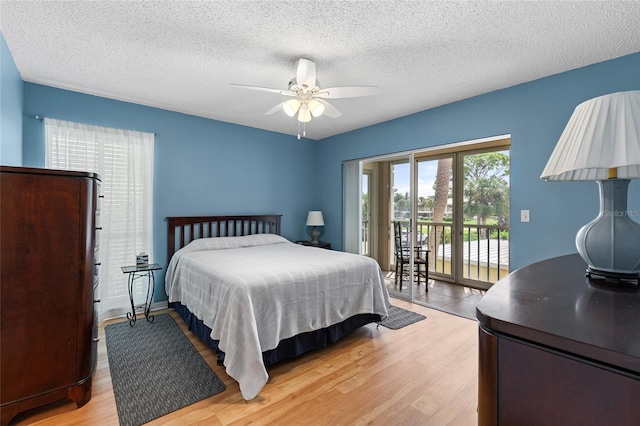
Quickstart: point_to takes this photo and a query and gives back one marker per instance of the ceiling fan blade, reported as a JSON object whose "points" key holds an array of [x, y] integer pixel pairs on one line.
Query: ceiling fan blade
{"points": [[329, 110], [275, 109], [346, 92], [306, 73], [264, 89]]}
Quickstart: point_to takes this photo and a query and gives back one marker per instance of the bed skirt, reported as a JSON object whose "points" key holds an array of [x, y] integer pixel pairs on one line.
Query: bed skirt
{"points": [[287, 348]]}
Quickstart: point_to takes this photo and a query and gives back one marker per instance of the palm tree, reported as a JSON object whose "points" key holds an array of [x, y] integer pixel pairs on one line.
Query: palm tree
{"points": [[486, 188], [443, 179]]}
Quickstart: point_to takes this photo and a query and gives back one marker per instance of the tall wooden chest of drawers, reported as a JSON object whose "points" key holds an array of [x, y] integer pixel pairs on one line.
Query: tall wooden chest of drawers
{"points": [[49, 222]]}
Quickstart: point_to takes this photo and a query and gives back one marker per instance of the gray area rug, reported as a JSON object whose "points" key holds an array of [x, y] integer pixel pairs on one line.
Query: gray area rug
{"points": [[399, 318], [155, 370]]}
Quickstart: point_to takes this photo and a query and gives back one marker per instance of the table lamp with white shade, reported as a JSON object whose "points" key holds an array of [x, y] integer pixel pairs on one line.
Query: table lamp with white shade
{"points": [[601, 142], [315, 219]]}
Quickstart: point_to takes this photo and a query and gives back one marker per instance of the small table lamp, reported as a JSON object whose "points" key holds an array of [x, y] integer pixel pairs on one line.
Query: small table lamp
{"points": [[601, 142], [314, 218]]}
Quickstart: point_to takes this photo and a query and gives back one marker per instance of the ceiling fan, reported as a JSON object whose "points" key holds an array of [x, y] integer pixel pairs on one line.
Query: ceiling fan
{"points": [[307, 98]]}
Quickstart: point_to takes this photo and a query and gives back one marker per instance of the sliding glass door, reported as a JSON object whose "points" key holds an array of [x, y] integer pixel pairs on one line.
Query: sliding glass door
{"points": [[452, 209], [403, 242], [484, 236], [435, 223], [463, 215]]}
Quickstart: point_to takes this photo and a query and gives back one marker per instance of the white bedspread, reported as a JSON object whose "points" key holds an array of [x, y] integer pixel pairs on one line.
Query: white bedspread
{"points": [[257, 290]]}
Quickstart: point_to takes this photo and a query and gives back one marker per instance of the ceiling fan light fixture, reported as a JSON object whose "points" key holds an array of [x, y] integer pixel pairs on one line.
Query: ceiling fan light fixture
{"points": [[304, 116], [316, 108], [307, 99], [291, 107]]}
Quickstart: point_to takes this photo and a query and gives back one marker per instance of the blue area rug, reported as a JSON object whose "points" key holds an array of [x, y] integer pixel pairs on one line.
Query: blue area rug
{"points": [[155, 370], [399, 318]]}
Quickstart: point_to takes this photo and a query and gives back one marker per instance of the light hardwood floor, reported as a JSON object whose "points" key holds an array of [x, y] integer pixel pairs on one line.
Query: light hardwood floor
{"points": [[423, 374]]}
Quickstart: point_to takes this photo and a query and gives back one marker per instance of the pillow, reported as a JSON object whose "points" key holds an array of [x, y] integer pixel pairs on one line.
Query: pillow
{"points": [[220, 243]]}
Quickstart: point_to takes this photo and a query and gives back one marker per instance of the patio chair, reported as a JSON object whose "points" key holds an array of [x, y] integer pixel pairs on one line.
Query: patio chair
{"points": [[401, 254]]}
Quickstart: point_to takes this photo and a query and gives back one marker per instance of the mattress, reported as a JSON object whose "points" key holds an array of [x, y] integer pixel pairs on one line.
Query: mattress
{"points": [[255, 291]]}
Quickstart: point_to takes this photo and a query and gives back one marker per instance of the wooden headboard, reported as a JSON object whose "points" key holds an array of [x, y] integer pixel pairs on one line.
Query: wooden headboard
{"points": [[183, 230]]}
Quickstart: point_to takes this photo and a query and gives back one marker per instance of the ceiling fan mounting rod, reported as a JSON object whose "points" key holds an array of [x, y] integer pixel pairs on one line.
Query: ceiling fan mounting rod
{"points": [[303, 97]]}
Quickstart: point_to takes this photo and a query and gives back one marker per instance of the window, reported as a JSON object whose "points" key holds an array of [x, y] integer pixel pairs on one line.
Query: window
{"points": [[124, 161]]}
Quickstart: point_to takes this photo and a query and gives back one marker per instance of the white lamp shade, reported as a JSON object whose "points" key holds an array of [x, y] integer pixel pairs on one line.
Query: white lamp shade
{"points": [[291, 107], [603, 133], [316, 108], [304, 116], [314, 218]]}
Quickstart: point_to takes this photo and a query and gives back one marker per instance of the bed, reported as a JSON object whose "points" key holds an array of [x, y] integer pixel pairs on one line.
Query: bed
{"points": [[257, 299]]}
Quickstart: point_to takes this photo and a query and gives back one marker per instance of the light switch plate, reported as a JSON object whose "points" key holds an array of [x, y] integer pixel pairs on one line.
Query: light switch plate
{"points": [[524, 216]]}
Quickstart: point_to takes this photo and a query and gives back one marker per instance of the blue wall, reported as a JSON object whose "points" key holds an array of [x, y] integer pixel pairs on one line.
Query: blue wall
{"points": [[534, 114], [207, 167], [202, 166], [11, 87]]}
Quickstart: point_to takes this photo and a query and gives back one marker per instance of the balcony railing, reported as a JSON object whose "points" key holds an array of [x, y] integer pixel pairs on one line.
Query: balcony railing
{"points": [[485, 250]]}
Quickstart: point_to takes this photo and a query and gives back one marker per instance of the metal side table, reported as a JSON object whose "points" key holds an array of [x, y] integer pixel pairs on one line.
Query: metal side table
{"points": [[137, 272]]}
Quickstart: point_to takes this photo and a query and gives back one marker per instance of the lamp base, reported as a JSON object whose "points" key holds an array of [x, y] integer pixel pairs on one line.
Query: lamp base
{"points": [[609, 243], [614, 277], [315, 234]]}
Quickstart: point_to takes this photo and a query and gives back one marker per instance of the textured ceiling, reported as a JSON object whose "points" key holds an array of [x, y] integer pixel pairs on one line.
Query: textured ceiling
{"points": [[183, 55]]}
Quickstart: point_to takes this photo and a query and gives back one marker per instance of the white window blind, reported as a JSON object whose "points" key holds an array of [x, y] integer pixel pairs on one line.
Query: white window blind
{"points": [[352, 205], [124, 161]]}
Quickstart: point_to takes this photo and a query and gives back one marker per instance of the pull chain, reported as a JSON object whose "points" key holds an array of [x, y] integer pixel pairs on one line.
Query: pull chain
{"points": [[304, 130]]}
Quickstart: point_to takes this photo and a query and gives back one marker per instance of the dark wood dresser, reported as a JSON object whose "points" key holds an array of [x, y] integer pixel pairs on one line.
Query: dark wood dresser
{"points": [[558, 349], [49, 222]]}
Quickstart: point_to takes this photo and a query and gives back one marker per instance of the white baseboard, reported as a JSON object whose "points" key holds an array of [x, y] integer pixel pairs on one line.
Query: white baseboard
{"points": [[159, 305]]}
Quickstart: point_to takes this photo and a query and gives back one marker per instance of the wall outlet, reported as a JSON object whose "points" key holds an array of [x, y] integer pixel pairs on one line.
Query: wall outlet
{"points": [[524, 216]]}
